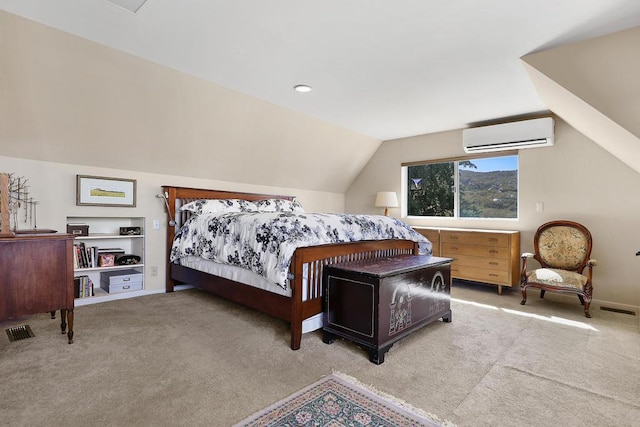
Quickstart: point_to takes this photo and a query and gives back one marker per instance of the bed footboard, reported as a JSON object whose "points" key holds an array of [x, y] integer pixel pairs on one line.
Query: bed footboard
{"points": [[314, 258]]}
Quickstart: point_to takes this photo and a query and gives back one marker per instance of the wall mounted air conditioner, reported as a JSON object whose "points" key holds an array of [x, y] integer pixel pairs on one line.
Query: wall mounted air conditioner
{"points": [[509, 136]]}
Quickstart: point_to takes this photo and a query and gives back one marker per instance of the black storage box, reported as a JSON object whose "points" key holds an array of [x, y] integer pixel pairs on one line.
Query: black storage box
{"points": [[130, 231], [78, 229]]}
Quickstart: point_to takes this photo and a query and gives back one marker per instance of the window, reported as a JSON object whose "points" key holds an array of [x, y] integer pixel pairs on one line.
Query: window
{"points": [[488, 188]]}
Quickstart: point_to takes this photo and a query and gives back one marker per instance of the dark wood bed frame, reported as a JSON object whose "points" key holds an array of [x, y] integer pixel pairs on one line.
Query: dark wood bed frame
{"points": [[291, 309]]}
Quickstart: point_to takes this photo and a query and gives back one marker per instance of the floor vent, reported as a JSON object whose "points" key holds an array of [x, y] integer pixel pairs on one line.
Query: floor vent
{"points": [[618, 310], [20, 333]]}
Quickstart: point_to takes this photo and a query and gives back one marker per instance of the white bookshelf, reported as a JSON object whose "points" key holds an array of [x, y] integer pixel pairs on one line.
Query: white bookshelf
{"points": [[104, 232]]}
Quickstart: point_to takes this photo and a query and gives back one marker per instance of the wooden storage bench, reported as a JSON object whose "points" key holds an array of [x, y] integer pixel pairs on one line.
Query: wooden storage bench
{"points": [[377, 302]]}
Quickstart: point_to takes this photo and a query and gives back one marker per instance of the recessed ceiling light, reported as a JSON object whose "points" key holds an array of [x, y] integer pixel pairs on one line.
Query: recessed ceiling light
{"points": [[302, 88]]}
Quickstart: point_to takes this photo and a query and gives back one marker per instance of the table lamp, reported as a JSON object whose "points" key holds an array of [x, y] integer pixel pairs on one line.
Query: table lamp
{"points": [[386, 200]]}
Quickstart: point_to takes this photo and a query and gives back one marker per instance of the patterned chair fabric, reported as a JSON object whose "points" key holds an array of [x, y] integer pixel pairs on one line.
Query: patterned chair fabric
{"points": [[563, 249]]}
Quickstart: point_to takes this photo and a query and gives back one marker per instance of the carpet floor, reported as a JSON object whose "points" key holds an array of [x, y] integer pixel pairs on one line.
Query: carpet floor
{"points": [[189, 358]]}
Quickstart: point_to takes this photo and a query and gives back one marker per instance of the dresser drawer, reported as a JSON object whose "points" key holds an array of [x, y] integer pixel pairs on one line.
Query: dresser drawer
{"points": [[483, 262], [479, 274], [454, 250], [433, 235], [473, 238]]}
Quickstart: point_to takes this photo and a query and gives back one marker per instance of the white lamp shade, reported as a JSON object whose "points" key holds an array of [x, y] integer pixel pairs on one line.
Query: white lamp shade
{"points": [[386, 199]]}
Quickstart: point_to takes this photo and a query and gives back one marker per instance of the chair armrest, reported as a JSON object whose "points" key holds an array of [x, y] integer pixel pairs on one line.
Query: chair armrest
{"points": [[592, 262], [523, 272]]}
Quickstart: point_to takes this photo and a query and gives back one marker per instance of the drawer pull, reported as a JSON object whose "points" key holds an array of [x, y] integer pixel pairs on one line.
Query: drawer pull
{"points": [[493, 251], [454, 248], [126, 279], [492, 239], [126, 287], [453, 237], [493, 275], [493, 263]]}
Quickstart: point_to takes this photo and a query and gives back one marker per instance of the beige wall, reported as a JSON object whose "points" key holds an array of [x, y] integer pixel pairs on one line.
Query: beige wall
{"points": [[593, 85], [603, 72], [67, 99], [54, 186], [576, 179], [72, 106]]}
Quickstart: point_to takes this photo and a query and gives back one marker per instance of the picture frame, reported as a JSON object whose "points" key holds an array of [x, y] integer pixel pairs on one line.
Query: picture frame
{"points": [[105, 191]]}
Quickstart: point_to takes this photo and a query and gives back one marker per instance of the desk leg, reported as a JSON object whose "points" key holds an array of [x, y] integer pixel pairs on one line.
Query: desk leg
{"points": [[70, 320], [66, 316], [63, 322]]}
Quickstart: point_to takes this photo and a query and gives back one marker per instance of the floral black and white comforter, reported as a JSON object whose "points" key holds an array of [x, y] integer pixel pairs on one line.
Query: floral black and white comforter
{"points": [[265, 242]]}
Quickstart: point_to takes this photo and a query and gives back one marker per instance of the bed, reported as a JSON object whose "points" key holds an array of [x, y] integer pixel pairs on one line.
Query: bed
{"points": [[303, 298]]}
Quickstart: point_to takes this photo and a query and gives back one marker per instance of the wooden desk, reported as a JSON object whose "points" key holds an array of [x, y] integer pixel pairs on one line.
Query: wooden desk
{"points": [[377, 302], [36, 276]]}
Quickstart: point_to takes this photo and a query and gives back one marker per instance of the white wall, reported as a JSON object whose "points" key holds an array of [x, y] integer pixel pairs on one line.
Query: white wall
{"points": [[576, 179], [54, 186]]}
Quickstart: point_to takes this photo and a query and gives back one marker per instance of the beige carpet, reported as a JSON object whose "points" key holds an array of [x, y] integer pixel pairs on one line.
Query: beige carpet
{"points": [[189, 358]]}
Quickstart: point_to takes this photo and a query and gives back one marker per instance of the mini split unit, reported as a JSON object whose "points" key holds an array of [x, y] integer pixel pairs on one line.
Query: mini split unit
{"points": [[509, 136]]}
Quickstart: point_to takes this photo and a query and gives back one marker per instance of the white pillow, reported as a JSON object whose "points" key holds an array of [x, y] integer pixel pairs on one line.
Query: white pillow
{"points": [[279, 205], [204, 206]]}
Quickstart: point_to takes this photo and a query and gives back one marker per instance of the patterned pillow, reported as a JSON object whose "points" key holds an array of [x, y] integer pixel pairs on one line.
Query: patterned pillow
{"points": [[199, 207], [279, 205]]}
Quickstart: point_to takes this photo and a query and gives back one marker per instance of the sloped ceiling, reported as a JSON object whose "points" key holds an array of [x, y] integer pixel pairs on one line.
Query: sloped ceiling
{"points": [[594, 86], [382, 68], [204, 88], [66, 99]]}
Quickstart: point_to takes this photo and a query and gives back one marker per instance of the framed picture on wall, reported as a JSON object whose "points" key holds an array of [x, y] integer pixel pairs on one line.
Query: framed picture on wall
{"points": [[105, 191]]}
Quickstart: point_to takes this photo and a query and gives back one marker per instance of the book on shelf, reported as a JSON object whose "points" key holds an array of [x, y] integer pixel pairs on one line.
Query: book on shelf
{"points": [[85, 256], [82, 287]]}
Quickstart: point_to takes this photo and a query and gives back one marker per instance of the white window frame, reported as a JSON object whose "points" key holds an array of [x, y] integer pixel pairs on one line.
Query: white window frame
{"points": [[456, 182]]}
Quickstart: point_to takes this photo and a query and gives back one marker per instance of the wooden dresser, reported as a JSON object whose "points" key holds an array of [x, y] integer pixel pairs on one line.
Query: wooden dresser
{"points": [[36, 276], [487, 256]]}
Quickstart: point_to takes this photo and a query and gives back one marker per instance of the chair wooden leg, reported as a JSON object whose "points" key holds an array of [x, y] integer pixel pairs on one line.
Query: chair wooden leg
{"points": [[586, 309], [588, 295], [524, 296], [581, 298], [542, 291]]}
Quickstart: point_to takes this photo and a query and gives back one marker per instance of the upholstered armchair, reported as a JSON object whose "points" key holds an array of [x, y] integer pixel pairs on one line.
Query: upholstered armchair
{"points": [[563, 249]]}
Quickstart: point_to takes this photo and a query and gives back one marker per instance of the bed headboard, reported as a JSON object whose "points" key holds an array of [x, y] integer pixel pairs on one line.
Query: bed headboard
{"points": [[175, 197], [179, 196]]}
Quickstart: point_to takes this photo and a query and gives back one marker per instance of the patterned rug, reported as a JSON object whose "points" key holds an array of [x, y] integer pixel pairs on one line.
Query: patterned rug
{"points": [[339, 400]]}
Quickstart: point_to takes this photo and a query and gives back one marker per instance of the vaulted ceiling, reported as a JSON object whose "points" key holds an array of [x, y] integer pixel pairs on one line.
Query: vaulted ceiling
{"points": [[594, 86], [382, 69]]}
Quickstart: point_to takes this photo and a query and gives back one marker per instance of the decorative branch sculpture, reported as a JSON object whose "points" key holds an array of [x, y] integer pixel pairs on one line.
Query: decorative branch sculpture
{"points": [[14, 196]]}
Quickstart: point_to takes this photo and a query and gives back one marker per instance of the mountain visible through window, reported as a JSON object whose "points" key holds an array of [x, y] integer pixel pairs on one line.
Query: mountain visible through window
{"points": [[488, 188]]}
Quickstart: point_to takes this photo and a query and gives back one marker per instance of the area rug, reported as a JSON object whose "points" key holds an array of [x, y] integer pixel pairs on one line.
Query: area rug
{"points": [[339, 400]]}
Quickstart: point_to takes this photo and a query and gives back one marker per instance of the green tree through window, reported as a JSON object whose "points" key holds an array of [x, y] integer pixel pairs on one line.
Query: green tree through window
{"points": [[488, 188]]}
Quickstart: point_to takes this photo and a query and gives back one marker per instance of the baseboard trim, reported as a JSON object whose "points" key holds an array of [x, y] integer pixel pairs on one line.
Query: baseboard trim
{"points": [[597, 303], [79, 302]]}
